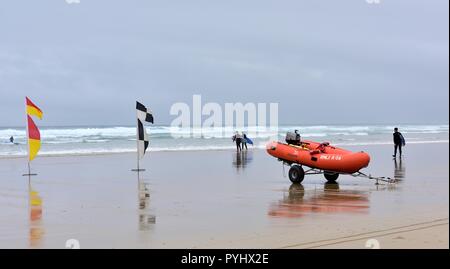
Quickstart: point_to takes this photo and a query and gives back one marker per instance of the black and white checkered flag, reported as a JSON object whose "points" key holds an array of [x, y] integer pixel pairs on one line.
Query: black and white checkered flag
{"points": [[143, 115]]}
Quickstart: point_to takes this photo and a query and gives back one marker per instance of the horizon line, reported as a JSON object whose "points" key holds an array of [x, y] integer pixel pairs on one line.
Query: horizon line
{"points": [[284, 124]]}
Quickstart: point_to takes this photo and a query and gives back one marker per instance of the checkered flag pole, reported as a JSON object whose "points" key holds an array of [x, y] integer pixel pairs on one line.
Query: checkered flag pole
{"points": [[143, 115]]}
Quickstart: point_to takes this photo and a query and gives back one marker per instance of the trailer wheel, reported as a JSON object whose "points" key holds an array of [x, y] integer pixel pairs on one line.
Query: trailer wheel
{"points": [[296, 174], [331, 177]]}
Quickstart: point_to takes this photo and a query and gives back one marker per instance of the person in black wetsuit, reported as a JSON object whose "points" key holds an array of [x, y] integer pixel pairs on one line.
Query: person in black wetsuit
{"points": [[238, 139], [11, 139], [399, 142], [244, 141]]}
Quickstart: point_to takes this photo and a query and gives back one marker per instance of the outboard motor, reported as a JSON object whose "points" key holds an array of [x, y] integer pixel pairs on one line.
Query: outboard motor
{"points": [[293, 138]]}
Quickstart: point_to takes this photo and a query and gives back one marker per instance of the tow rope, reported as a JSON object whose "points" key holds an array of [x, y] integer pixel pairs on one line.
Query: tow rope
{"points": [[383, 179]]}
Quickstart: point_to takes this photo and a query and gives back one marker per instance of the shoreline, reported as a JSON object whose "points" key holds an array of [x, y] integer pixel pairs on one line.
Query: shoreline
{"points": [[205, 150]]}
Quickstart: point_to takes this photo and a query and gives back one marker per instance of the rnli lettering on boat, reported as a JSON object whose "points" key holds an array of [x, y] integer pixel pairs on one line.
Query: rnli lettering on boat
{"points": [[331, 157]]}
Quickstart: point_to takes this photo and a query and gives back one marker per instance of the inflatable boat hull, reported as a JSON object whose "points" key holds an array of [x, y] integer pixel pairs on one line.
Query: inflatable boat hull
{"points": [[320, 156]]}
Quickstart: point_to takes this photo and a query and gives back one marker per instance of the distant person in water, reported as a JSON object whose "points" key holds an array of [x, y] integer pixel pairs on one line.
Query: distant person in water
{"points": [[244, 141], [238, 139], [11, 139], [399, 142]]}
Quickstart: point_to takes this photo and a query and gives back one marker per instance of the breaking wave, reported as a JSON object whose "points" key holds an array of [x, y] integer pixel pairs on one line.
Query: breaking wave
{"points": [[121, 139]]}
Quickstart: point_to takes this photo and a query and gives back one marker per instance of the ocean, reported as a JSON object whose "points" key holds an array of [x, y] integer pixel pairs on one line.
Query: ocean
{"points": [[57, 141]]}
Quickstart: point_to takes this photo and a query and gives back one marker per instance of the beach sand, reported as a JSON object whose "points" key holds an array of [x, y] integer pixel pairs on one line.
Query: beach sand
{"points": [[220, 199]]}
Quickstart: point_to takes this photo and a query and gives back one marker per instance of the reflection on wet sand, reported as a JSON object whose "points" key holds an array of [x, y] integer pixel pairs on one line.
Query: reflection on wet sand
{"points": [[35, 217], [146, 220], [399, 172], [300, 202], [242, 159]]}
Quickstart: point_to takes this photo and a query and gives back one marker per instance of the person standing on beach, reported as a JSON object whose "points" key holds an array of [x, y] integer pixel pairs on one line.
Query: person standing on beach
{"points": [[399, 142], [244, 141], [238, 139]]}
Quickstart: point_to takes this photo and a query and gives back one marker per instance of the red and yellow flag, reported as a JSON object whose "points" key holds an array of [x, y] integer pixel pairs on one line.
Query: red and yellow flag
{"points": [[33, 110], [34, 136]]}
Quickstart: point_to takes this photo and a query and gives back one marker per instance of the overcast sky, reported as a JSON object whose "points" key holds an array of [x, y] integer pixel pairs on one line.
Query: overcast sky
{"points": [[338, 62]]}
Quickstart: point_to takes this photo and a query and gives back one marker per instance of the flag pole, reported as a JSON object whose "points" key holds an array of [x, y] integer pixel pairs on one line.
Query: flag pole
{"points": [[137, 148], [137, 144], [28, 143], [29, 195]]}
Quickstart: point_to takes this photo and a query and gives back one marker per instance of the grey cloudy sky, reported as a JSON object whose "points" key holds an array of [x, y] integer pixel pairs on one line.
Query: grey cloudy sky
{"points": [[324, 61]]}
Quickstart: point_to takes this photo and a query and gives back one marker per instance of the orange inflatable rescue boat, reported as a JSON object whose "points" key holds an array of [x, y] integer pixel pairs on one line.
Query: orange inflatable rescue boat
{"points": [[321, 158]]}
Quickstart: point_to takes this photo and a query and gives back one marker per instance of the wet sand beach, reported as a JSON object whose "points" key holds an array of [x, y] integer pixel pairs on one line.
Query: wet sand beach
{"points": [[222, 199]]}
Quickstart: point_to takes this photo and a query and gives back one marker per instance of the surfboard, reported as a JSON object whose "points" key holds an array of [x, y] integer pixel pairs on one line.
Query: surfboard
{"points": [[249, 141], [403, 140]]}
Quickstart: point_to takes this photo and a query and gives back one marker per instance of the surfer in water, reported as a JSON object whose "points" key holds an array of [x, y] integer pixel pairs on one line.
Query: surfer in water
{"points": [[399, 142], [11, 139]]}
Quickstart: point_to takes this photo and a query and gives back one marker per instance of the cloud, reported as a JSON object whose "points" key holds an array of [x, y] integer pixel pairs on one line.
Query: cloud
{"points": [[357, 62]]}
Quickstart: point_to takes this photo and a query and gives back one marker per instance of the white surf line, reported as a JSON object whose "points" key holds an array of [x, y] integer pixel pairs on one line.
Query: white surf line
{"points": [[371, 234], [225, 148], [390, 143]]}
